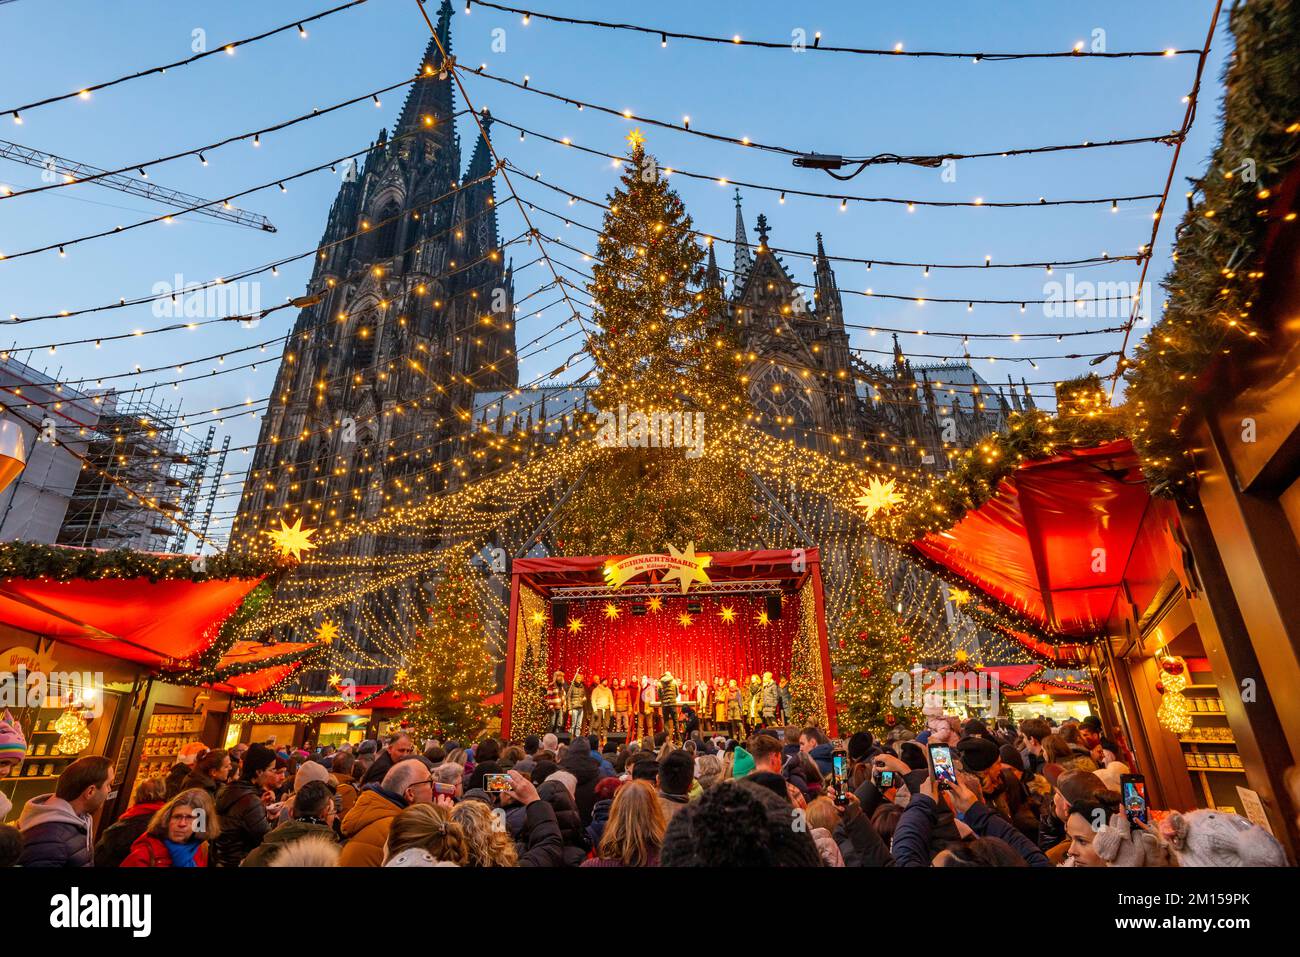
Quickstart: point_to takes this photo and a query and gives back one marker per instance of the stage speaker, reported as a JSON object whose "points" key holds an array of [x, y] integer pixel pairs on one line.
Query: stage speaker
{"points": [[560, 614], [773, 607]]}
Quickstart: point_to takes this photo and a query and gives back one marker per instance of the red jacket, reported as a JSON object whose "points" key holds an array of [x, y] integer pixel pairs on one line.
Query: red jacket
{"points": [[148, 851]]}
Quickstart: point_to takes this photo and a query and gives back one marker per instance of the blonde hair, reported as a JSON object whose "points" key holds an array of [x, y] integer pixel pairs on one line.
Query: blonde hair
{"points": [[708, 770], [308, 852], [488, 843], [150, 790], [821, 813], [205, 829], [635, 830], [428, 827]]}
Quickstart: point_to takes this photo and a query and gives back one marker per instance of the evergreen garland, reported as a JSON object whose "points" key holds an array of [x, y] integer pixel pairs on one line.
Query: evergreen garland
{"points": [[33, 560]]}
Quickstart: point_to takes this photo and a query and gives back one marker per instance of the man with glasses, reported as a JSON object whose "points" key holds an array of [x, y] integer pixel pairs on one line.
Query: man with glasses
{"points": [[365, 827], [400, 748]]}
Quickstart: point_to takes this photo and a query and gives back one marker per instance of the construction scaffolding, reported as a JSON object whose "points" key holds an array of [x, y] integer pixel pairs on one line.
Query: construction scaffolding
{"points": [[137, 446]]}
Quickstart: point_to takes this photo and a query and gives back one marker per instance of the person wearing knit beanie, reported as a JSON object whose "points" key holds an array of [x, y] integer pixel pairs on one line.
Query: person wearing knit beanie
{"points": [[13, 749]]}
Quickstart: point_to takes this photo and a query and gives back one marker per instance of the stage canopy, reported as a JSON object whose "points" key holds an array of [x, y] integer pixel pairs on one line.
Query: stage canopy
{"points": [[1063, 538], [156, 624]]}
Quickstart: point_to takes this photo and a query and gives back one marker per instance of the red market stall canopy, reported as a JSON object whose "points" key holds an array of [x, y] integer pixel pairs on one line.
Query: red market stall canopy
{"points": [[1019, 681], [156, 624], [1063, 539], [253, 667]]}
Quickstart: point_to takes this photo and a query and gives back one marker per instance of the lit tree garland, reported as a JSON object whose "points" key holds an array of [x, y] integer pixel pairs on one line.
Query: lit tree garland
{"points": [[871, 651]]}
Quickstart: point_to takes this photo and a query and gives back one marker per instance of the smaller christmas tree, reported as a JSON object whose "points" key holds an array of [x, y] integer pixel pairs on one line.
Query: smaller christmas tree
{"points": [[448, 665], [873, 656]]}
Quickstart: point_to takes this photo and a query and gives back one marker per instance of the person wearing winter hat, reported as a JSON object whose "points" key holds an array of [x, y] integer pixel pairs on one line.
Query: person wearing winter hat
{"points": [[57, 827], [742, 764], [13, 749], [1208, 838], [189, 754], [242, 806], [1069, 789]]}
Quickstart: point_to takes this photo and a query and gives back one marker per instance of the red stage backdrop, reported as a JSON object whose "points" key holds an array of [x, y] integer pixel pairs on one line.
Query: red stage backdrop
{"points": [[630, 646]]}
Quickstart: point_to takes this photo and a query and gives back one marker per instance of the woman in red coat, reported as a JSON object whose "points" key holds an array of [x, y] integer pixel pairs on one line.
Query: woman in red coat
{"points": [[178, 833]]}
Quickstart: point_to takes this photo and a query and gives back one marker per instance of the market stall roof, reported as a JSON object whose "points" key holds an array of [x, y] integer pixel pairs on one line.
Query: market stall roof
{"points": [[158, 624], [254, 667], [1021, 680], [1061, 537], [269, 711]]}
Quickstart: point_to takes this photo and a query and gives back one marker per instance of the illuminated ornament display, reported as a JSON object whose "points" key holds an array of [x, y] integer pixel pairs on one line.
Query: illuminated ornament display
{"points": [[762, 619], [400, 675], [334, 679], [959, 596], [635, 138], [327, 632], [292, 539], [878, 496], [539, 618], [611, 611], [687, 567], [655, 603], [684, 567], [962, 655], [73, 735], [685, 620], [13, 452], [728, 614], [575, 625], [1174, 714]]}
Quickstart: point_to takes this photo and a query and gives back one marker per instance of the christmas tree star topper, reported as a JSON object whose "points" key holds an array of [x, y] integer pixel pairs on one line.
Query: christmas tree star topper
{"points": [[635, 138]]}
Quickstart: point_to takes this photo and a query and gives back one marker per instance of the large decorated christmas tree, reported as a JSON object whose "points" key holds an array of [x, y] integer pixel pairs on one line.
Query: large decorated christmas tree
{"points": [[663, 346], [873, 655], [448, 665]]}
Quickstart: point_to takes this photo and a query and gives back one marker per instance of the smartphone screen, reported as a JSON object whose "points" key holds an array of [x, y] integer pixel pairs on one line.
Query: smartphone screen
{"points": [[497, 783], [886, 779], [1133, 789], [945, 772], [837, 768]]}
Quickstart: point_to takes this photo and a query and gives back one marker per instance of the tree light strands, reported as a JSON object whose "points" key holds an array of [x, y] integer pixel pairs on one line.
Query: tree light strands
{"points": [[896, 50], [228, 48], [200, 151], [1040, 203], [926, 160]]}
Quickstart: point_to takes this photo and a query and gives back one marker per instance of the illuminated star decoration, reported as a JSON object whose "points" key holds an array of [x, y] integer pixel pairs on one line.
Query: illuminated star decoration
{"points": [[656, 603], [335, 679], [327, 632], [293, 539], [762, 619], [962, 654], [728, 614], [539, 618], [611, 610], [400, 675], [686, 568], [635, 138], [959, 596], [685, 620], [575, 625], [878, 496]]}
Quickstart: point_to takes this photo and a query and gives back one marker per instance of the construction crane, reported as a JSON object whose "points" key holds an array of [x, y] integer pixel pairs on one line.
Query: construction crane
{"points": [[72, 171]]}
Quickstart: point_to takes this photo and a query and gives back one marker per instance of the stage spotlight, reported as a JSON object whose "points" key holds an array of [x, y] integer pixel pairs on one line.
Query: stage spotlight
{"points": [[638, 609], [773, 607], [693, 608]]}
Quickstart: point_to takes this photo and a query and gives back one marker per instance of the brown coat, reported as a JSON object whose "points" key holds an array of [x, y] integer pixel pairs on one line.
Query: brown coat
{"points": [[365, 829]]}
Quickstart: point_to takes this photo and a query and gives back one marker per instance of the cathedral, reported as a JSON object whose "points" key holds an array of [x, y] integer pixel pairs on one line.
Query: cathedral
{"points": [[409, 313]]}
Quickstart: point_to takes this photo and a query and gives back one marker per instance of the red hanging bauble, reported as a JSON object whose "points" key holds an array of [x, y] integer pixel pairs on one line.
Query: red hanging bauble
{"points": [[865, 672], [1172, 666], [1160, 687], [890, 719]]}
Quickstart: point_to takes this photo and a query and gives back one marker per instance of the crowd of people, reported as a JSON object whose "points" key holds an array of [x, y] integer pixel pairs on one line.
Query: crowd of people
{"points": [[1037, 795]]}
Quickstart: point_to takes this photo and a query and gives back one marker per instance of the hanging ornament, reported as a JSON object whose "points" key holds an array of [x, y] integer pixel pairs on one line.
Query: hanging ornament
{"points": [[1173, 714], [73, 736], [1172, 666]]}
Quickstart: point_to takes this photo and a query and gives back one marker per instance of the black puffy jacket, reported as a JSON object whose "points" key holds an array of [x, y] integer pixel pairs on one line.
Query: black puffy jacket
{"points": [[54, 835], [244, 822]]}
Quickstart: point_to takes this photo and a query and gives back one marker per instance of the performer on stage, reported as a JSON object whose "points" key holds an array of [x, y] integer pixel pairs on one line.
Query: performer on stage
{"points": [[702, 700], [557, 696], [577, 703], [602, 707], [787, 703], [753, 696], [622, 707], [769, 700], [718, 700], [668, 688], [735, 709], [648, 699]]}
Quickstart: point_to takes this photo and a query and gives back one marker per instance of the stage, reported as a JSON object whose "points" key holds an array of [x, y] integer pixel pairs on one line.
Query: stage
{"points": [[622, 617]]}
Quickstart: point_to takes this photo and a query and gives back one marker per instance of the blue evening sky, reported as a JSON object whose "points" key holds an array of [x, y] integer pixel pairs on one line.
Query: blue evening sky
{"points": [[812, 100]]}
